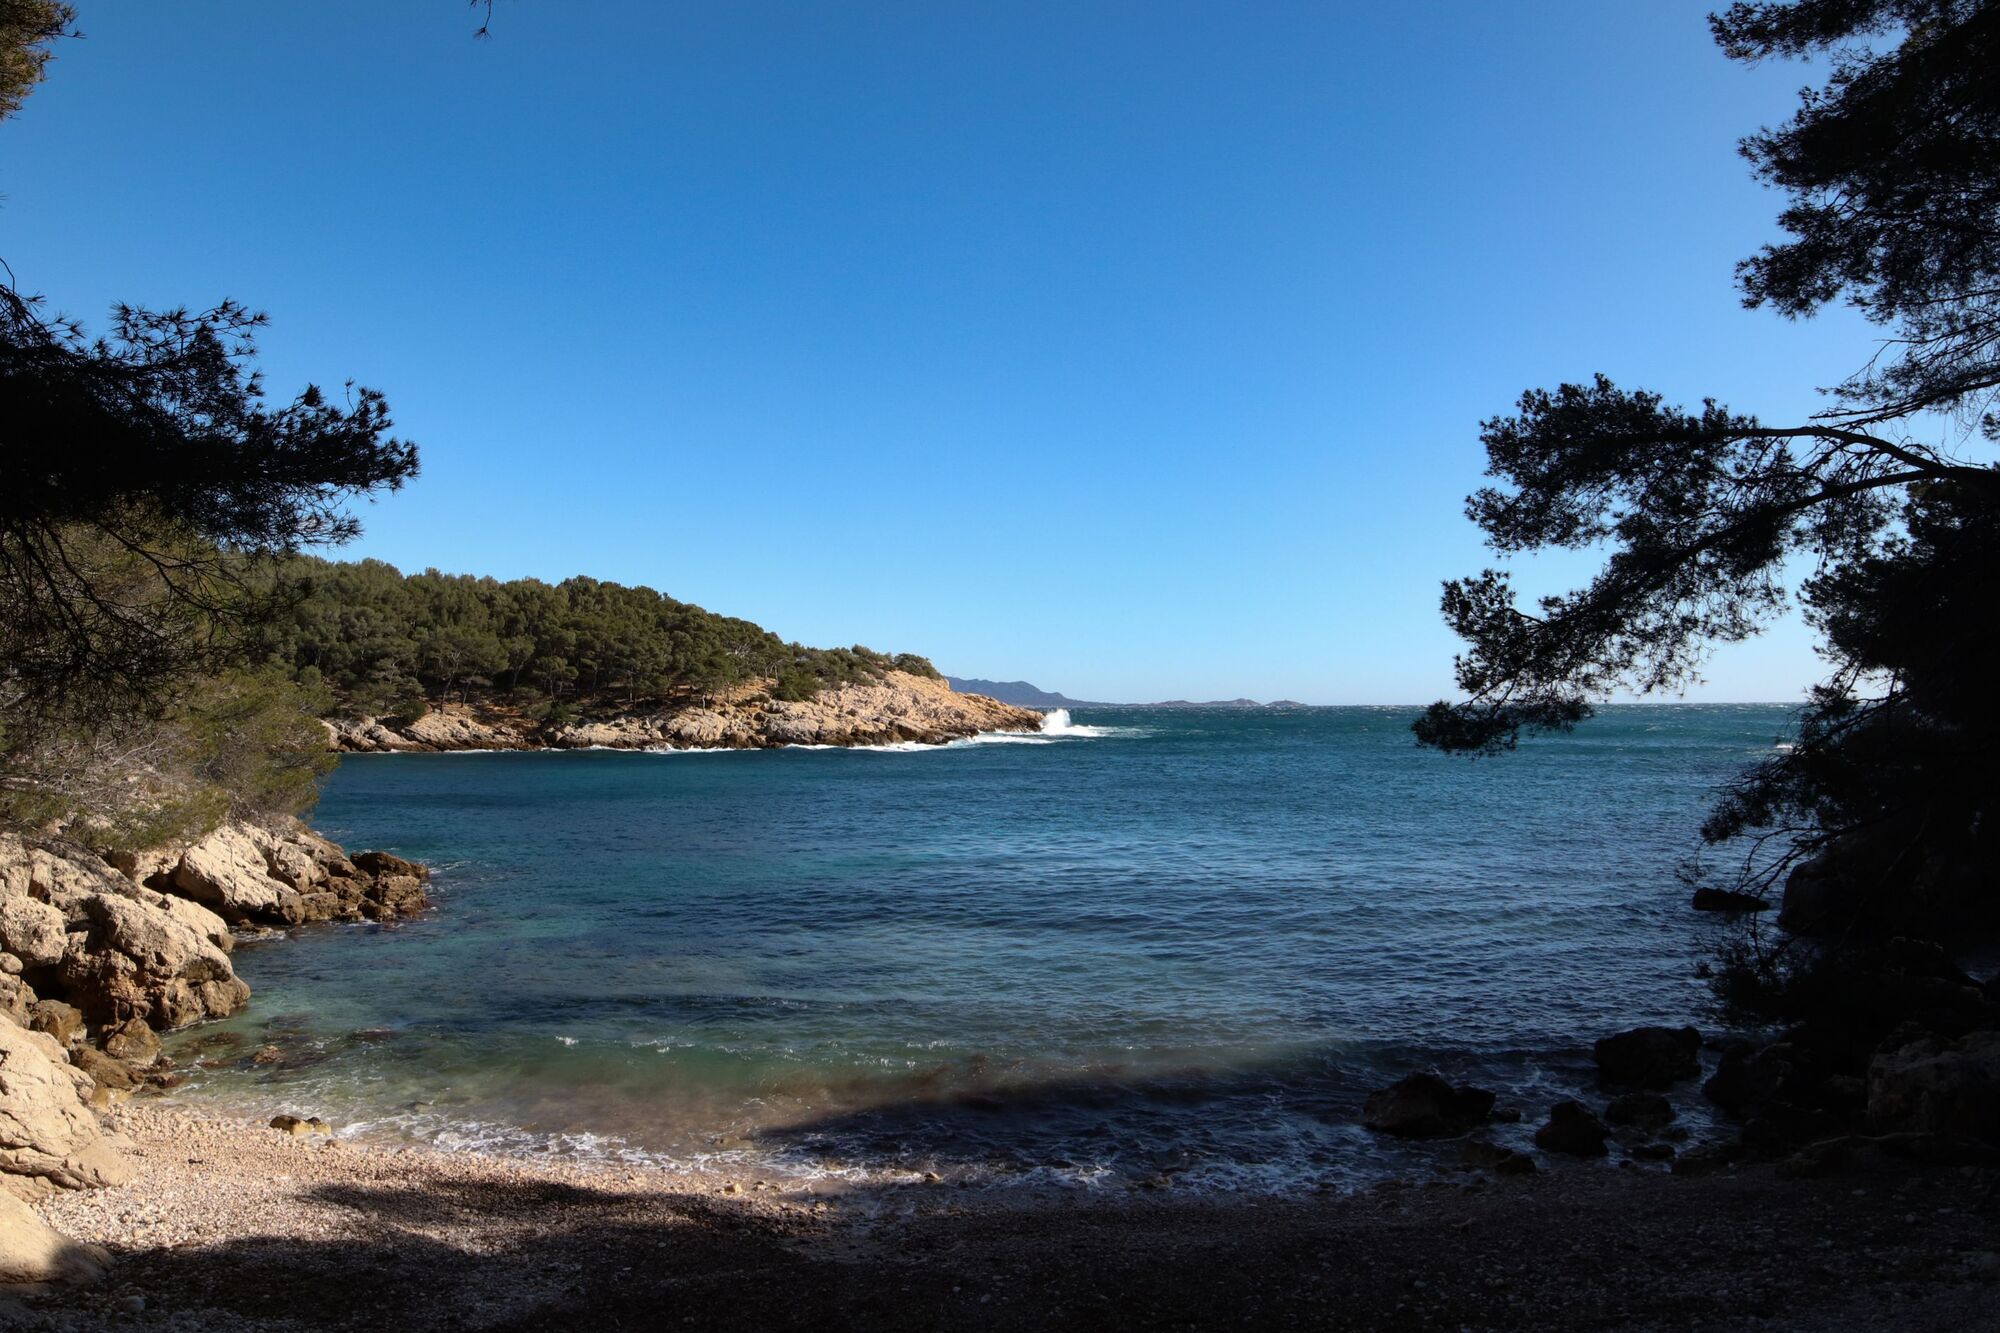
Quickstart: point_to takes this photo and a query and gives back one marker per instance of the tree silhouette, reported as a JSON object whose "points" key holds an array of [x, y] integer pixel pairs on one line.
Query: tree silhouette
{"points": [[1892, 169]]}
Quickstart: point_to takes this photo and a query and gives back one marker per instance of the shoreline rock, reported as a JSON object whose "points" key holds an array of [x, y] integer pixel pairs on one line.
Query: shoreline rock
{"points": [[100, 953], [1425, 1106], [898, 708], [1654, 1058]]}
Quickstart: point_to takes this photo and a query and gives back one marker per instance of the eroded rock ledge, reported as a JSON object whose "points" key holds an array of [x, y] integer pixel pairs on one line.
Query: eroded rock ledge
{"points": [[899, 707], [98, 954]]}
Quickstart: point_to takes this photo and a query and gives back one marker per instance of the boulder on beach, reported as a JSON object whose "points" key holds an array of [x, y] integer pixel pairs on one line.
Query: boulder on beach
{"points": [[1648, 1057], [1425, 1106], [49, 1136], [1572, 1129], [32, 1251], [1937, 1086]]}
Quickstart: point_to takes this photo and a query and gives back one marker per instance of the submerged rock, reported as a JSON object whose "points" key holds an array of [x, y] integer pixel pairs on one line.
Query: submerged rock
{"points": [[1645, 1110], [1648, 1057], [1500, 1161], [1425, 1106]]}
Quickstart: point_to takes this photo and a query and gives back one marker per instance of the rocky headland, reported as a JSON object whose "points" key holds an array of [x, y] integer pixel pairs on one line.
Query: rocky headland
{"points": [[899, 707]]}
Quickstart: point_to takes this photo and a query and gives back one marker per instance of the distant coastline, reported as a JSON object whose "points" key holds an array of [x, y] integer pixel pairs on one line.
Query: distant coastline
{"points": [[1025, 695]]}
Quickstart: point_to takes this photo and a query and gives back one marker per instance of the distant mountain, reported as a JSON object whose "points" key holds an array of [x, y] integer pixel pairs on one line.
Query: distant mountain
{"points": [[1023, 695], [1017, 692]]}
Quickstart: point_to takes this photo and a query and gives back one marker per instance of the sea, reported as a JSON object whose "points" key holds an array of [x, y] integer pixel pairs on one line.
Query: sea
{"points": [[1138, 948]]}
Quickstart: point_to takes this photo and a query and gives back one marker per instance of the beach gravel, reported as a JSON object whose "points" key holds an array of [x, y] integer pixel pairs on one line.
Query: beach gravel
{"points": [[235, 1225]]}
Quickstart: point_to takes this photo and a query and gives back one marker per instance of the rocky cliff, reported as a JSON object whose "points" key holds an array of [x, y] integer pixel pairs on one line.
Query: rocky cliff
{"points": [[899, 707]]}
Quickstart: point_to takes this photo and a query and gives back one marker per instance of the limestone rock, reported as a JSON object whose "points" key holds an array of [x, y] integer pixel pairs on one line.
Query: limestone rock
{"points": [[1649, 1057], [1424, 1106], [394, 896], [55, 873], [48, 1133], [33, 1251], [384, 863], [226, 871], [62, 1021], [894, 708], [1748, 1076], [33, 931], [137, 961], [106, 1071], [152, 867], [285, 859], [133, 1042], [17, 1000], [190, 914]]}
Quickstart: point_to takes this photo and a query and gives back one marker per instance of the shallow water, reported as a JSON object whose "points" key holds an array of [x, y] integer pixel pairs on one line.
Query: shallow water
{"points": [[1180, 941]]}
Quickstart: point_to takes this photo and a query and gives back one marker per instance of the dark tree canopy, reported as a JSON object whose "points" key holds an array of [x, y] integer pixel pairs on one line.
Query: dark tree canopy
{"points": [[388, 643], [1892, 171], [28, 28], [135, 471]]}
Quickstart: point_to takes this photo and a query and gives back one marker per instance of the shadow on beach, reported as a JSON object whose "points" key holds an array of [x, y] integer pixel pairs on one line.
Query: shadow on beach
{"points": [[1576, 1249]]}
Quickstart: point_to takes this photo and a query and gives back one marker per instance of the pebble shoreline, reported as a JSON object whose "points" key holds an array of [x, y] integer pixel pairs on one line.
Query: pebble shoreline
{"points": [[233, 1225]]}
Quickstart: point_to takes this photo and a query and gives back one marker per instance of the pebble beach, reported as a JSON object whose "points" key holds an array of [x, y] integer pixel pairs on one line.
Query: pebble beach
{"points": [[236, 1225]]}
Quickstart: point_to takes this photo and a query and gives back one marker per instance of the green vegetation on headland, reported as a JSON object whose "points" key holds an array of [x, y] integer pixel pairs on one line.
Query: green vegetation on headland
{"points": [[389, 644]]}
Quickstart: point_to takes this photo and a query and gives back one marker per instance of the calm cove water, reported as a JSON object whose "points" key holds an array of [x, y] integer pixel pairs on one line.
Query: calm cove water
{"points": [[1150, 941]]}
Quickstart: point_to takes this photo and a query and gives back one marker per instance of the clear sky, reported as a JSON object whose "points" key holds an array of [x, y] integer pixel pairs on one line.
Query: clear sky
{"points": [[1134, 349]]}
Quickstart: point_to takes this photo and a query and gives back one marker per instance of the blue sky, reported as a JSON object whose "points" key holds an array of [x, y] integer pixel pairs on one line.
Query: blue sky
{"points": [[1137, 350]]}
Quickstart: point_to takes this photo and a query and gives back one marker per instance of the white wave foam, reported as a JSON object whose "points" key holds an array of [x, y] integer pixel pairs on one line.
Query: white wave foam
{"points": [[1056, 722]]}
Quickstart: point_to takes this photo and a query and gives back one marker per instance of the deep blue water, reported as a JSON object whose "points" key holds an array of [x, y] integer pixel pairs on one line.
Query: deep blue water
{"points": [[1190, 940]]}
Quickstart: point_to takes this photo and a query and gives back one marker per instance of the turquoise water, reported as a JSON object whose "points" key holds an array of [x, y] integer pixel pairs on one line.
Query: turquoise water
{"points": [[1188, 941]]}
